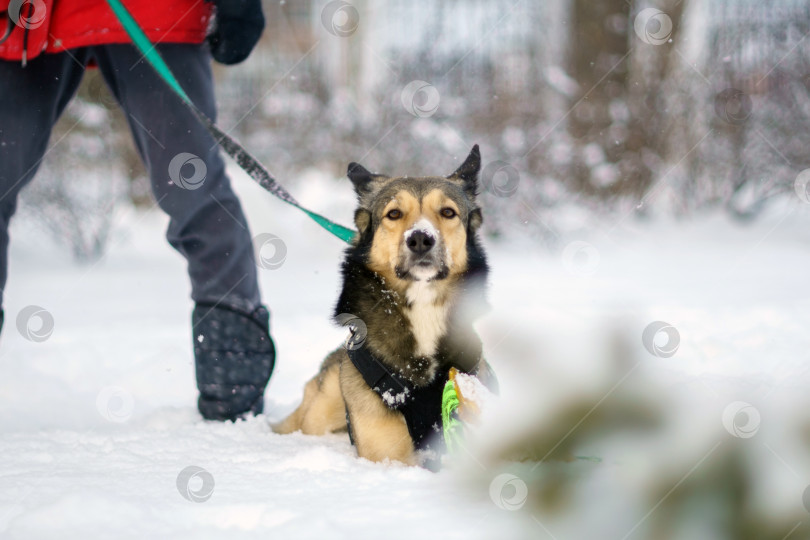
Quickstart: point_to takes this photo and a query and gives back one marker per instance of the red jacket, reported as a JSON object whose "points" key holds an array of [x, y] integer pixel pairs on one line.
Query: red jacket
{"points": [[57, 25]]}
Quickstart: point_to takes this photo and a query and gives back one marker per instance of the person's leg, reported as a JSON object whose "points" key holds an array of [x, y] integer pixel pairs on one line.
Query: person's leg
{"points": [[186, 169], [31, 100], [233, 351]]}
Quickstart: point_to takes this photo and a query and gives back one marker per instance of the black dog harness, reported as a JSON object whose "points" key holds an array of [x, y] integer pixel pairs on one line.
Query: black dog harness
{"points": [[420, 405]]}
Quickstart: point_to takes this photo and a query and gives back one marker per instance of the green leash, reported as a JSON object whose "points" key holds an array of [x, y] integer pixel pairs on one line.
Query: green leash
{"points": [[245, 161]]}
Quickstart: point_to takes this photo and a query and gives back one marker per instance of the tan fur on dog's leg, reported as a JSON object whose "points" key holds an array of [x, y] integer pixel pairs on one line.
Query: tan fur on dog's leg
{"points": [[326, 412], [322, 410], [382, 435], [379, 433], [293, 422]]}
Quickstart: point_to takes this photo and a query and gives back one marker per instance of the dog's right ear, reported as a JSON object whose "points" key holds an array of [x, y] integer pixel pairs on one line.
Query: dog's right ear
{"points": [[362, 179]]}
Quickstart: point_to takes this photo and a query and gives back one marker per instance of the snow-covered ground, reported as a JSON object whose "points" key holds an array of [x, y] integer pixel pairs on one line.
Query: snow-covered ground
{"points": [[98, 421]]}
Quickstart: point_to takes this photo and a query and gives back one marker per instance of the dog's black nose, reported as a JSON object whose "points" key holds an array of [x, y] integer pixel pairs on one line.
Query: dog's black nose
{"points": [[420, 242]]}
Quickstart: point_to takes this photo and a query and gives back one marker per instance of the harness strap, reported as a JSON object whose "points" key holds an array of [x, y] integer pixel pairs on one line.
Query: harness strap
{"points": [[420, 405]]}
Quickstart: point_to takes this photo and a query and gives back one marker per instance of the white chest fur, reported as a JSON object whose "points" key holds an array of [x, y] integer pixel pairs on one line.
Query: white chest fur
{"points": [[428, 319]]}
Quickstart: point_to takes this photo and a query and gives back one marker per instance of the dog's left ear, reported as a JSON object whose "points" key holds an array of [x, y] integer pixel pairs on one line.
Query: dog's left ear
{"points": [[467, 173], [476, 219]]}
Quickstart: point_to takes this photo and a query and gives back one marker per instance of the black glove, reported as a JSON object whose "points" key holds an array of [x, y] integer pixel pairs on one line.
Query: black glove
{"points": [[237, 27]]}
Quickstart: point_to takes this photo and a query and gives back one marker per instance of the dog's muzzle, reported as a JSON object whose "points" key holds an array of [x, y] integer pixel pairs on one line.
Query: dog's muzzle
{"points": [[420, 242], [422, 259]]}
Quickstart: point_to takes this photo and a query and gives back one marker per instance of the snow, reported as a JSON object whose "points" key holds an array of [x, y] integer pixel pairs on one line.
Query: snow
{"points": [[98, 421], [393, 399], [423, 225], [473, 391]]}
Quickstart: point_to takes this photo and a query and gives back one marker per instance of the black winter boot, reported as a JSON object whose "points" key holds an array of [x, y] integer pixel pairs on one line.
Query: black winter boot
{"points": [[234, 358]]}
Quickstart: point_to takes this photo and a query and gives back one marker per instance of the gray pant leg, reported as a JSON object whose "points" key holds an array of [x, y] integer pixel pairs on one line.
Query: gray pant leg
{"points": [[31, 100], [207, 224]]}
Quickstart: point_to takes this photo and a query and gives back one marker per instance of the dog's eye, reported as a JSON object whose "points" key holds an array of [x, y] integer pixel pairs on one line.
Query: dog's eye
{"points": [[394, 214], [448, 213]]}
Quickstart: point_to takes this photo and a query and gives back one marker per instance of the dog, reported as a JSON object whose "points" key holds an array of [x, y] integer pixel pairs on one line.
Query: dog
{"points": [[413, 282]]}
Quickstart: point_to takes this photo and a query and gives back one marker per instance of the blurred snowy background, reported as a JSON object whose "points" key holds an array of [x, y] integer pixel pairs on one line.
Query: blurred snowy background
{"points": [[648, 221], [612, 107]]}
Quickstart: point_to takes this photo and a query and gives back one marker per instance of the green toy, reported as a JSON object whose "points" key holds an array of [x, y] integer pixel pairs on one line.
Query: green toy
{"points": [[452, 427]]}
